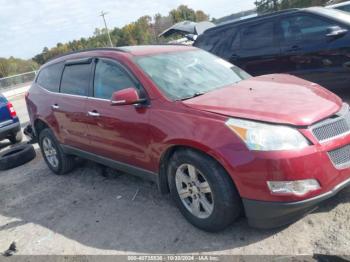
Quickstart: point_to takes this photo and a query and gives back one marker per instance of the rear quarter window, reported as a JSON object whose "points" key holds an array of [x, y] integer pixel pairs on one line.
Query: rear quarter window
{"points": [[49, 77]]}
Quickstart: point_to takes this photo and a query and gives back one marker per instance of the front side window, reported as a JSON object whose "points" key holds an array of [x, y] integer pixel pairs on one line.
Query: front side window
{"points": [[257, 36], [76, 79], [50, 77], [182, 75], [304, 27], [109, 78]]}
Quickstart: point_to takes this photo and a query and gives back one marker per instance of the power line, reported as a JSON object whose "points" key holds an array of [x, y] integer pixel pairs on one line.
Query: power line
{"points": [[104, 20]]}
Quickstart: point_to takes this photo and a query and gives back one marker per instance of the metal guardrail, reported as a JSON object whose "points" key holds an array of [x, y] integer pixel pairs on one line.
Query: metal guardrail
{"points": [[15, 80]]}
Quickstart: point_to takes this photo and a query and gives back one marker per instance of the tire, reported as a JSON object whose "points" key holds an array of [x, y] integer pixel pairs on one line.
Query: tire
{"points": [[223, 204], [64, 163], [16, 138], [16, 156]]}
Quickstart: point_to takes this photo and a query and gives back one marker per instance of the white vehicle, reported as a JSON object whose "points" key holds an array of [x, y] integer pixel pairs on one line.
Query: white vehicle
{"points": [[345, 6]]}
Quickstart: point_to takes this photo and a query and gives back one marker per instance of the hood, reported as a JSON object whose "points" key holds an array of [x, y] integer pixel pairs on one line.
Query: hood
{"points": [[187, 27], [283, 99]]}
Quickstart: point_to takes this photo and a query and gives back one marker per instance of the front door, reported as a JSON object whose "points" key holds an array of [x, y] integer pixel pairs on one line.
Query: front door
{"points": [[120, 133], [309, 52]]}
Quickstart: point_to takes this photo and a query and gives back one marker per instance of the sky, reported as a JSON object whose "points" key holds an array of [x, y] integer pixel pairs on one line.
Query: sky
{"points": [[27, 26]]}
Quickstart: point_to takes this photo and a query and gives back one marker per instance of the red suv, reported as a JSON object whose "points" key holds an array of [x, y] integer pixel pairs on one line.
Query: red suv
{"points": [[222, 142]]}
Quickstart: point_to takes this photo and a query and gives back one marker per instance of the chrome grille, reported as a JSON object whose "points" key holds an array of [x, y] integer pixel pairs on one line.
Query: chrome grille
{"points": [[332, 127], [340, 157]]}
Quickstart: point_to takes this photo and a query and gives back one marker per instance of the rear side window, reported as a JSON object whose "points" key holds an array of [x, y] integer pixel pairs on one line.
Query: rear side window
{"points": [[257, 36], [208, 41], [76, 79], [229, 43], [109, 78], [50, 77], [304, 27]]}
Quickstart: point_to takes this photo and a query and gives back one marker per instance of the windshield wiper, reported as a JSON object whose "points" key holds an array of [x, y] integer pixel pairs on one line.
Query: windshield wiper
{"points": [[192, 96]]}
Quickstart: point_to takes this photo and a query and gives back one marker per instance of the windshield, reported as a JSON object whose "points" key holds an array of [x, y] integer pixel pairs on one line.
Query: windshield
{"points": [[182, 75]]}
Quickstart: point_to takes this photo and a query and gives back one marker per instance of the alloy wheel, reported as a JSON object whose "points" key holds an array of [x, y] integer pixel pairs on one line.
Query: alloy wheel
{"points": [[50, 152], [194, 191]]}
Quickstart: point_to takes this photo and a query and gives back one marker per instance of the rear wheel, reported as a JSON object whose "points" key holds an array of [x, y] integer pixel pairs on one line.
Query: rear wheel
{"points": [[203, 191], [59, 162]]}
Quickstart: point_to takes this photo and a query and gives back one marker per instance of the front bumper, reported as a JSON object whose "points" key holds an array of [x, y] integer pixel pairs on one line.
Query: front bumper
{"points": [[250, 171], [265, 214], [9, 130]]}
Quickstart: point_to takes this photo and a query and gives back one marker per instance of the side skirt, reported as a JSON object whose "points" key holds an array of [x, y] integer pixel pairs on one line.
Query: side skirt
{"points": [[142, 173]]}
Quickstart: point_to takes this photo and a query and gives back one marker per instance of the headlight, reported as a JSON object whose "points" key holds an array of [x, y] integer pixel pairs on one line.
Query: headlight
{"points": [[298, 187], [265, 137]]}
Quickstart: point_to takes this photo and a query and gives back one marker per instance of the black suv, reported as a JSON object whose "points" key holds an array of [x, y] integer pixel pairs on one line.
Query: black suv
{"points": [[311, 43]]}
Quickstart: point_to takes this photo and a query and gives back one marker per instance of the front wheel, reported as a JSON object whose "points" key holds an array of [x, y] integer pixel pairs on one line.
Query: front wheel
{"points": [[203, 191]]}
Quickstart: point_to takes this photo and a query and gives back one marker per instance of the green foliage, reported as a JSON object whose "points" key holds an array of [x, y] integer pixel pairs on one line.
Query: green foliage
{"points": [[144, 30], [14, 66], [265, 6]]}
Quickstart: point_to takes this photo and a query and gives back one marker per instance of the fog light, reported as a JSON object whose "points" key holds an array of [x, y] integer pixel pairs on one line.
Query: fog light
{"points": [[298, 187]]}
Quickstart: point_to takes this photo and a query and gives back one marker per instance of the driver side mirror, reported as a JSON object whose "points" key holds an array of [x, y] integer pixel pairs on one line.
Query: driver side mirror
{"points": [[128, 96], [336, 31]]}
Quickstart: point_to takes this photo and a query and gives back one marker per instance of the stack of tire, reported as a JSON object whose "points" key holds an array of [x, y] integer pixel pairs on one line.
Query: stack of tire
{"points": [[16, 156]]}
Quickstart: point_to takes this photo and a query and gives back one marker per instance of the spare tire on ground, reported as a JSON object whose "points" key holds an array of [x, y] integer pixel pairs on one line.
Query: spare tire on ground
{"points": [[16, 156]]}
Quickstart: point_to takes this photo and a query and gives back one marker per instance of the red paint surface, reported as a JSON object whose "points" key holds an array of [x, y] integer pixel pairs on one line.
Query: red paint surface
{"points": [[140, 136]]}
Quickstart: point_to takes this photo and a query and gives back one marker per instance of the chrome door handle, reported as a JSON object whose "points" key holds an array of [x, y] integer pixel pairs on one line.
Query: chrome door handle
{"points": [[55, 106], [93, 114]]}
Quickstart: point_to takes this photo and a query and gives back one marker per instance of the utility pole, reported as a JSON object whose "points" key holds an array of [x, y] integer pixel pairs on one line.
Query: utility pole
{"points": [[104, 20]]}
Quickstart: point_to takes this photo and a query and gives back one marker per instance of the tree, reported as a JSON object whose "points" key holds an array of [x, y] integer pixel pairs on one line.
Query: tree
{"points": [[161, 23], [182, 13], [201, 16], [266, 6], [144, 30], [13, 66]]}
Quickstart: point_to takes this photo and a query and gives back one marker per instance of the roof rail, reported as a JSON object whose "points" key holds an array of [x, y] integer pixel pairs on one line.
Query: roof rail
{"points": [[228, 23], [89, 49]]}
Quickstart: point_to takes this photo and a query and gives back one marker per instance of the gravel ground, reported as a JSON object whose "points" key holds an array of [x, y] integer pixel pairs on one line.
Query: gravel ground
{"points": [[91, 212]]}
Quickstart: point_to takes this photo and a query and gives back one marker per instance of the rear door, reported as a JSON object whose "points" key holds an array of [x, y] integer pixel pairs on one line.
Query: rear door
{"points": [[307, 51], [69, 106], [258, 52]]}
